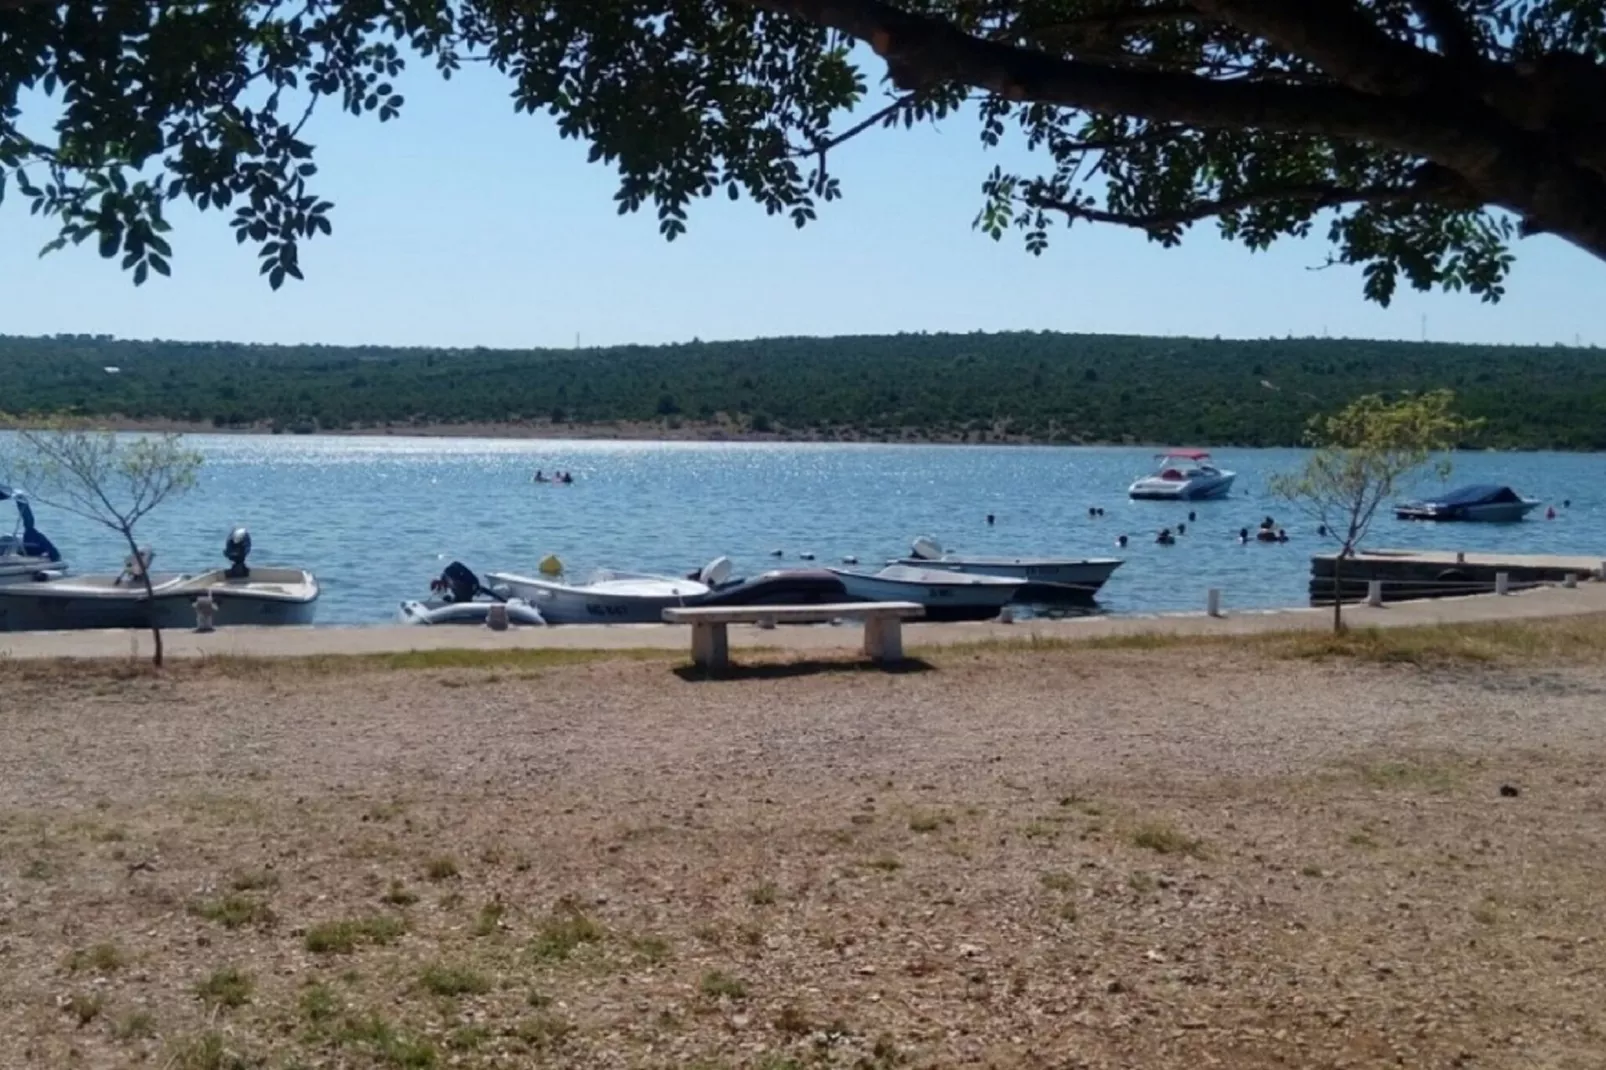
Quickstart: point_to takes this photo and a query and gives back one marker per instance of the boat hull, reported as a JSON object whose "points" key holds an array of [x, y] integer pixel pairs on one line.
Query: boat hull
{"points": [[942, 602], [37, 608], [1042, 579], [782, 587], [1192, 490], [1497, 513], [471, 613], [561, 603]]}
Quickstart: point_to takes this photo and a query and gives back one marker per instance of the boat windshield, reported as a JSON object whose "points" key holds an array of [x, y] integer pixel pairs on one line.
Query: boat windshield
{"points": [[1180, 466]]}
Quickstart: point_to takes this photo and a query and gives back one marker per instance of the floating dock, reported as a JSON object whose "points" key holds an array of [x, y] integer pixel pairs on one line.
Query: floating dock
{"points": [[1408, 574]]}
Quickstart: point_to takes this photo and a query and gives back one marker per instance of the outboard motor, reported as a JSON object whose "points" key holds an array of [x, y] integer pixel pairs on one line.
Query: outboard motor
{"points": [[461, 582], [34, 543], [236, 549]]}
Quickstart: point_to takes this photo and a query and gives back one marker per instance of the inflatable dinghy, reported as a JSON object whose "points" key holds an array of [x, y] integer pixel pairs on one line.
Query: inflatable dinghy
{"points": [[518, 613]]}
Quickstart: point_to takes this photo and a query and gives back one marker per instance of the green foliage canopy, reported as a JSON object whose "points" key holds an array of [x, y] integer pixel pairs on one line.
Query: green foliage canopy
{"points": [[1421, 135]]}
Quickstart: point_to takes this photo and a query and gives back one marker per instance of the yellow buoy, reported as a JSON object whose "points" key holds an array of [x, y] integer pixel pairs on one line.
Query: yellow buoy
{"points": [[551, 566]]}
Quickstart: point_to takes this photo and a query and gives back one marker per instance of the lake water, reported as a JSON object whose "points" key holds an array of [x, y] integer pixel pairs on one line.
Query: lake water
{"points": [[376, 517]]}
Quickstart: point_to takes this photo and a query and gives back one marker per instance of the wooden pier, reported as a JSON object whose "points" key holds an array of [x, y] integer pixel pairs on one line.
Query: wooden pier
{"points": [[1408, 574]]}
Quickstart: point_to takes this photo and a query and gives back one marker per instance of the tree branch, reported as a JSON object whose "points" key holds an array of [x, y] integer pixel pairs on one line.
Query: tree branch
{"points": [[1450, 27], [858, 128], [922, 50], [1431, 184], [1103, 25], [1337, 36]]}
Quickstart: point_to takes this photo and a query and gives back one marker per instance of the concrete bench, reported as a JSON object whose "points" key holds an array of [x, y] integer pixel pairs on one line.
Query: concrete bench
{"points": [[710, 644]]}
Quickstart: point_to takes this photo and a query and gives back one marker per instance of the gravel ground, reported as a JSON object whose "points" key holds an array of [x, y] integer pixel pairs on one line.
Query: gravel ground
{"points": [[1073, 859]]}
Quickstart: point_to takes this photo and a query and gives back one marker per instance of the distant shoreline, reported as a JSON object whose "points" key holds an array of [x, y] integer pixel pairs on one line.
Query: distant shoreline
{"points": [[619, 430], [657, 431]]}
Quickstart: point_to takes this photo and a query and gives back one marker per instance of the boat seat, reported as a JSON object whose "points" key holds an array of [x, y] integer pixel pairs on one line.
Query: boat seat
{"points": [[710, 642], [136, 565]]}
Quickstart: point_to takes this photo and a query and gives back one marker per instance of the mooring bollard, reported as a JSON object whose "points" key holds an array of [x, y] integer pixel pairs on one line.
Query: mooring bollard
{"points": [[1569, 580], [496, 617], [1502, 583], [1213, 602], [1460, 558], [205, 613], [1374, 593]]}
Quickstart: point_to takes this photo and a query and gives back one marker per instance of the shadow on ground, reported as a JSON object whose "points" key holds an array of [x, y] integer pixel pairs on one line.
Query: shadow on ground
{"points": [[781, 670]]}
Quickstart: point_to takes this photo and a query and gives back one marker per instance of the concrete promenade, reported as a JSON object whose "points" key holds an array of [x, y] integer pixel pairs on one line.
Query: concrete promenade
{"points": [[1589, 597]]}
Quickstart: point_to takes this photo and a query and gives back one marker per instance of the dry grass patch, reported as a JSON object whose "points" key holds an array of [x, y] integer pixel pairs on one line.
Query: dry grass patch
{"points": [[1556, 640], [135, 1025], [397, 895], [97, 958], [563, 932], [234, 911], [84, 1007], [717, 984], [924, 821], [440, 979], [345, 936], [210, 1050], [384, 1043], [227, 987], [443, 868], [1409, 775], [254, 880], [1166, 839]]}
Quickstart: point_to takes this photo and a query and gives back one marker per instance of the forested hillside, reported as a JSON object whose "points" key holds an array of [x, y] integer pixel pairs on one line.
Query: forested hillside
{"points": [[1021, 386]]}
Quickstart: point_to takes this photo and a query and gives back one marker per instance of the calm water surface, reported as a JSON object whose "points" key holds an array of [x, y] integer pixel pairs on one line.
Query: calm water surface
{"points": [[377, 517]]}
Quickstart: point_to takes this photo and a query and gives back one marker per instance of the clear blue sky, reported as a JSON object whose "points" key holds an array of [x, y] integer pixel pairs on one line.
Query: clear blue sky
{"points": [[464, 224]]}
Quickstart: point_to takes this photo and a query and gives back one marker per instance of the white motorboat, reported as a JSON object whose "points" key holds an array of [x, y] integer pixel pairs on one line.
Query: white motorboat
{"points": [[1489, 503], [239, 594], [945, 594], [26, 554], [609, 596], [1043, 578], [1183, 475]]}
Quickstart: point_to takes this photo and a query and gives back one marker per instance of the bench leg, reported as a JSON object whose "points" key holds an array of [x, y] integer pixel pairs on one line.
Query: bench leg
{"points": [[883, 639], [710, 645]]}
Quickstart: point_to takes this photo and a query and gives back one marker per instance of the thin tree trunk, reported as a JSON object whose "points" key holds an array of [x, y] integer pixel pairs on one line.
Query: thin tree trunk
{"points": [[1338, 590], [150, 598]]}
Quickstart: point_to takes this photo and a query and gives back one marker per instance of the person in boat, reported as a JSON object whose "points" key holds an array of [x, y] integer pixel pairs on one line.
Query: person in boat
{"points": [[1165, 538]]}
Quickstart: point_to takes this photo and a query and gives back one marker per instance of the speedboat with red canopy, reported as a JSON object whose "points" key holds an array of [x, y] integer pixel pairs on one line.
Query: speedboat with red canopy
{"points": [[1183, 476]]}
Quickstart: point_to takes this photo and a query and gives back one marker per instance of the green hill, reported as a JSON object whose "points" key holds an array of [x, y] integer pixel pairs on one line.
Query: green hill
{"points": [[995, 387]]}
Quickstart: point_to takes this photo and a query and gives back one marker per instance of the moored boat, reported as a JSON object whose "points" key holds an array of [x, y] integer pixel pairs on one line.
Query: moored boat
{"points": [[1042, 578], [946, 595], [239, 595], [1486, 502], [1183, 475], [608, 597]]}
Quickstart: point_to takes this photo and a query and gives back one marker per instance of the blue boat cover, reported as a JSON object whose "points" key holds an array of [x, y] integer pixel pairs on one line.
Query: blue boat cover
{"points": [[1477, 494]]}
